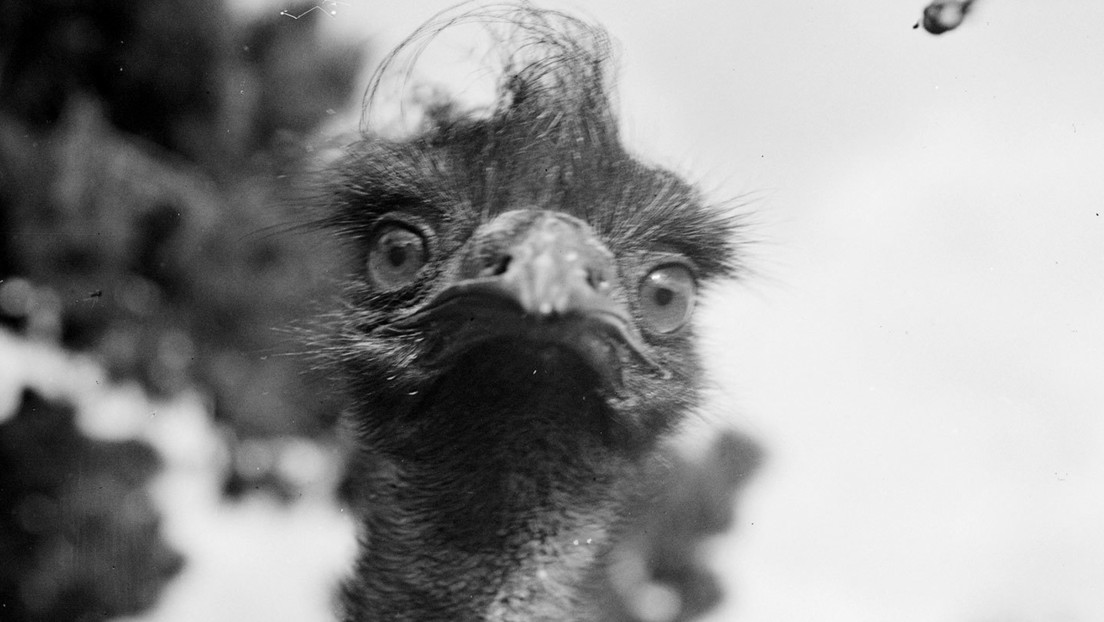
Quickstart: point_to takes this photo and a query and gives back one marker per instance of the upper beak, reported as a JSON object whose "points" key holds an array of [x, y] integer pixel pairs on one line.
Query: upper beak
{"points": [[557, 269]]}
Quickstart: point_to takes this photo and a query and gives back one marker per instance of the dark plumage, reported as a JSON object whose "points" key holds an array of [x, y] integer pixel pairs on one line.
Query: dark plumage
{"points": [[519, 338]]}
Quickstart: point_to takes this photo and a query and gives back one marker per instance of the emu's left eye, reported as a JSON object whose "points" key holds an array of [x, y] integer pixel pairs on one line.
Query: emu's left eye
{"points": [[395, 255], [667, 297]]}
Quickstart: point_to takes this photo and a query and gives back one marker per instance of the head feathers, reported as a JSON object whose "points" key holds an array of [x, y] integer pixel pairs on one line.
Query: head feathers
{"points": [[549, 141]]}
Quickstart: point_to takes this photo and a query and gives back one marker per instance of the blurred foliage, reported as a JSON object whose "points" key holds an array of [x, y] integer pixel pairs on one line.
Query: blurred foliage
{"points": [[155, 65], [79, 535], [146, 159], [143, 181], [660, 572]]}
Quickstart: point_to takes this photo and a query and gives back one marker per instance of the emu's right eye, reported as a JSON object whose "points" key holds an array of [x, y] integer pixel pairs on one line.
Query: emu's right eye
{"points": [[395, 255]]}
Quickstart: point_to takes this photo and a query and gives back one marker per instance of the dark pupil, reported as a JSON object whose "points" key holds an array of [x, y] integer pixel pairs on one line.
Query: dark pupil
{"points": [[396, 256], [663, 297]]}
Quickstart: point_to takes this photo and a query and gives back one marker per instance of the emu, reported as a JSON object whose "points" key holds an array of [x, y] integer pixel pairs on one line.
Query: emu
{"points": [[518, 339]]}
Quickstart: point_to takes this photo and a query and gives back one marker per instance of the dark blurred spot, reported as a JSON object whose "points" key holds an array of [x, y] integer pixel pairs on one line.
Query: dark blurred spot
{"points": [[944, 15], [82, 540], [153, 231], [659, 572]]}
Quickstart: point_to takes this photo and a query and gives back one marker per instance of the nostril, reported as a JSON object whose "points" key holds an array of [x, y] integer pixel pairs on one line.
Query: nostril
{"points": [[496, 266], [598, 279]]}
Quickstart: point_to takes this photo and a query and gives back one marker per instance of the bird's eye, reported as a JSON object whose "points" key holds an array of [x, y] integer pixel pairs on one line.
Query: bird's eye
{"points": [[395, 256], [667, 297]]}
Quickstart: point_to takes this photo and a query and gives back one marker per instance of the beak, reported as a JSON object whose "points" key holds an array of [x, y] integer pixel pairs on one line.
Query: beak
{"points": [[557, 269], [554, 283]]}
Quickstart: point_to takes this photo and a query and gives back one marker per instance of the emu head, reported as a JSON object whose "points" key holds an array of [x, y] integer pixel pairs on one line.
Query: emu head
{"points": [[524, 251]]}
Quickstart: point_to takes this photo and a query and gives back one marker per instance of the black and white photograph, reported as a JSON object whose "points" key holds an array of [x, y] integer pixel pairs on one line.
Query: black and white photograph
{"points": [[551, 311]]}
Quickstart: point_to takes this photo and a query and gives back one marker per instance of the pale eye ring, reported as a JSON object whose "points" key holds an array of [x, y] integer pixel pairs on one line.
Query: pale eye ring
{"points": [[396, 254], [667, 298]]}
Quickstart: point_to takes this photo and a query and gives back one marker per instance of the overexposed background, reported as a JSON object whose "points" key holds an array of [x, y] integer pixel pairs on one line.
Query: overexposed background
{"points": [[921, 346]]}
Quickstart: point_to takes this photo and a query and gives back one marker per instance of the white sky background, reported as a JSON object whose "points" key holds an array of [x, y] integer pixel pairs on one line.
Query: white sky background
{"points": [[922, 349]]}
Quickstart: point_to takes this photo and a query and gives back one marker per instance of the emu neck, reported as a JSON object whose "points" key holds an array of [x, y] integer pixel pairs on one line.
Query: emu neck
{"points": [[498, 502]]}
